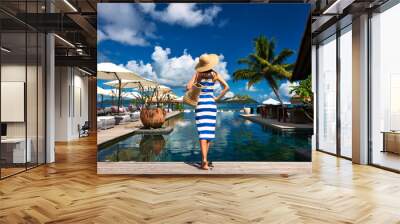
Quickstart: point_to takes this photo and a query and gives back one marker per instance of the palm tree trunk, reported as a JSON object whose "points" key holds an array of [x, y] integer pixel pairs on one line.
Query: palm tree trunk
{"points": [[271, 82], [277, 95]]}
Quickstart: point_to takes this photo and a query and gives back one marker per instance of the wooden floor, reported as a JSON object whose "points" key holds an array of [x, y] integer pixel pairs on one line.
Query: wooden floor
{"points": [[70, 191], [387, 159]]}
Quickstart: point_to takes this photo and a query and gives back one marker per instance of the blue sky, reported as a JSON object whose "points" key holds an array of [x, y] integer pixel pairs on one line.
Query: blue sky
{"points": [[163, 41]]}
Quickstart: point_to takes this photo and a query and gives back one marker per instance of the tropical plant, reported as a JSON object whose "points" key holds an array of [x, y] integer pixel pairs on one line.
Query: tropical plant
{"points": [[179, 107], [265, 64], [304, 91], [150, 97]]}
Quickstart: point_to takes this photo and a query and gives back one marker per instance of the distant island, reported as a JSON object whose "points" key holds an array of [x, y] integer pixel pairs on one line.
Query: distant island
{"points": [[239, 99]]}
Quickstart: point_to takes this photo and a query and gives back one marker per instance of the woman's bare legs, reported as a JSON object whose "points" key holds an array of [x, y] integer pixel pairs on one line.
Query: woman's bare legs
{"points": [[208, 149], [204, 145]]}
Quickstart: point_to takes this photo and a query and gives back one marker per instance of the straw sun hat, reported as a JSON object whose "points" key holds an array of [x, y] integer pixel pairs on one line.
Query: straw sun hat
{"points": [[207, 62]]}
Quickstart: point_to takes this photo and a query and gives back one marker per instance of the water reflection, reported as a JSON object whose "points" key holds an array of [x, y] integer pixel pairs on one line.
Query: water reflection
{"points": [[150, 147], [141, 148], [236, 140]]}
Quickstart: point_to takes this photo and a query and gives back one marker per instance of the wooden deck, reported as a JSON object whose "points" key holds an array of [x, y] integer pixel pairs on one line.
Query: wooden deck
{"points": [[276, 124], [122, 130], [70, 191]]}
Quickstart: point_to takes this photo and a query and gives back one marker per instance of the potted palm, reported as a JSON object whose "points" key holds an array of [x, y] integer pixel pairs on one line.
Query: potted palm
{"points": [[152, 113]]}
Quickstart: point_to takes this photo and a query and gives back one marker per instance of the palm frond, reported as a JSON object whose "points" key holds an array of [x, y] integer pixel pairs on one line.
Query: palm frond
{"points": [[288, 67], [279, 70], [243, 74], [246, 61], [261, 44], [254, 80], [282, 56], [271, 50], [261, 60]]}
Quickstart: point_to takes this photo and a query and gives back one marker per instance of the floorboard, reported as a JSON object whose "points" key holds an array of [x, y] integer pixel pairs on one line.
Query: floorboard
{"points": [[70, 191]]}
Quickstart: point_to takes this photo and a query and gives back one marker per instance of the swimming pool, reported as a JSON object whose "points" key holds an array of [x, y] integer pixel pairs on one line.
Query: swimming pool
{"points": [[237, 139]]}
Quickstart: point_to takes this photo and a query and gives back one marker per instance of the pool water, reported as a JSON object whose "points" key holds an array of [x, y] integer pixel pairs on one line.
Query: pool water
{"points": [[237, 139]]}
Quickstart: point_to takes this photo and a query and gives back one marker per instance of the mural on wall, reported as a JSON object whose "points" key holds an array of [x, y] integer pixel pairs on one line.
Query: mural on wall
{"points": [[202, 82]]}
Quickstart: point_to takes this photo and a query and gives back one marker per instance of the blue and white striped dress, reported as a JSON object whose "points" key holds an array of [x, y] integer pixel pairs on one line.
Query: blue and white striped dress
{"points": [[206, 111]]}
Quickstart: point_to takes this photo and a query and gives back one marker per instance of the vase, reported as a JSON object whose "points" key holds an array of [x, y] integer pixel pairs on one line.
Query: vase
{"points": [[152, 118]]}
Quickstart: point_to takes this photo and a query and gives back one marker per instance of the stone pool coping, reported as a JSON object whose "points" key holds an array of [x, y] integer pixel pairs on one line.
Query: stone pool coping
{"points": [[220, 168], [123, 130], [276, 124]]}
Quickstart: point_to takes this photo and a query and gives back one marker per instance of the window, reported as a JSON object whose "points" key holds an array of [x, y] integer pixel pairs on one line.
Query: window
{"points": [[22, 92], [327, 95], [346, 95], [385, 89]]}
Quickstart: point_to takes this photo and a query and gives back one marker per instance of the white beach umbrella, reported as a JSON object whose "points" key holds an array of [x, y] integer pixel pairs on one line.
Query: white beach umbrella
{"points": [[104, 92], [179, 99], [110, 71], [172, 96], [271, 101], [126, 83], [131, 95], [164, 89]]}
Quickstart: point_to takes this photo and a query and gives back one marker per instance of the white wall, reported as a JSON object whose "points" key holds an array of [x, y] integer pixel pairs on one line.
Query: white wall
{"points": [[71, 102]]}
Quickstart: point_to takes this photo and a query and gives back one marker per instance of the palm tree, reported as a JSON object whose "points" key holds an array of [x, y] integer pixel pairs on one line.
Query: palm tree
{"points": [[264, 64]]}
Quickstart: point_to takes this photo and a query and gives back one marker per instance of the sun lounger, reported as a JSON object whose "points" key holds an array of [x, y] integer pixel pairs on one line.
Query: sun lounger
{"points": [[135, 115], [122, 118], [105, 122]]}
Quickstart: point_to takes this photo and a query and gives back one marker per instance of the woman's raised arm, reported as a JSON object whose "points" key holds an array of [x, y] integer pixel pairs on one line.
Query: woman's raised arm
{"points": [[225, 86], [191, 82]]}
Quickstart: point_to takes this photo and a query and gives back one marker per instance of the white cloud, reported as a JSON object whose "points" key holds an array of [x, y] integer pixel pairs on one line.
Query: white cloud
{"points": [[171, 71], [284, 91], [223, 23], [184, 14], [101, 36], [229, 94], [251, 89], [126, 23], [123, 23]]}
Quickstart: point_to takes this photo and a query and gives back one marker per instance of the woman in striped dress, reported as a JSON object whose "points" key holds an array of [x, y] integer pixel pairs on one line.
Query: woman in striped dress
{"points": [[206, 109]]}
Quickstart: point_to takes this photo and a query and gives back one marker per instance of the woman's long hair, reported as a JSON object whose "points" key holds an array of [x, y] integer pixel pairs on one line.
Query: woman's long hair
{"points": [[210, 74]]}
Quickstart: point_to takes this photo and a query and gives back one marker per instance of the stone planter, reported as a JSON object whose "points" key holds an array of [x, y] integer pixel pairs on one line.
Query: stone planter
{"points": [[152, 118]]}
